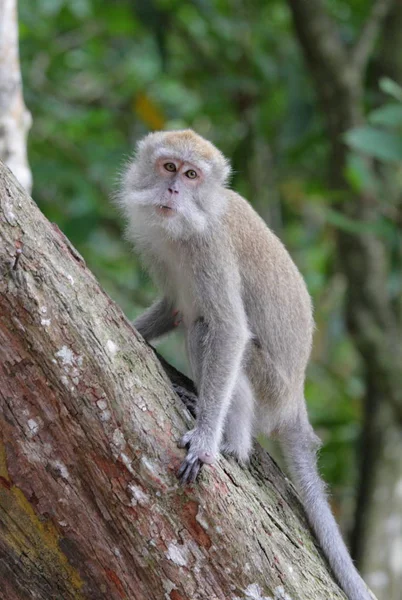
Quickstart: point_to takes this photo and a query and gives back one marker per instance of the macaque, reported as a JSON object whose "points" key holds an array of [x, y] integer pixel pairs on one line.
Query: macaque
{"points": [[245, 311]]}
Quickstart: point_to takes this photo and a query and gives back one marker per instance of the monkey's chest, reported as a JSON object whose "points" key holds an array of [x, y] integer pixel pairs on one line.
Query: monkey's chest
{"points": [[184, 299], [180, 288], [174, 273]]}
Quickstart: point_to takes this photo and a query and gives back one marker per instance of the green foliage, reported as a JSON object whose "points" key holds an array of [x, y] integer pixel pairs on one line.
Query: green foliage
{"points": [[379, 142], [99, 75], [391, 88], [389, 115], [376, 142]]}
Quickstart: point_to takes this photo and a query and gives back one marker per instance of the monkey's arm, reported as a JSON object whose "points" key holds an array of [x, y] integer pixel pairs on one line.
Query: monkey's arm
{"points": [[216, 347], [157, 320]]}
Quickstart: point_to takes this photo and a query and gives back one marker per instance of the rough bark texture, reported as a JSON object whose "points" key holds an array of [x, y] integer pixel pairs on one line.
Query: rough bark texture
{"points": [[89, 502], [364, 258], [15, 120]]}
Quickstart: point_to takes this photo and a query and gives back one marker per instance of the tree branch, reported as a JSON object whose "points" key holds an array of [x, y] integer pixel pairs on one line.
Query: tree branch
{"points": [[365, 43], [338, 84], [320, 41], [90, 506]]}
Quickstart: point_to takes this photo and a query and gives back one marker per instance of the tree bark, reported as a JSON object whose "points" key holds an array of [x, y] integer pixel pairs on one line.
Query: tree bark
{"points": [[390, 55], [364, 258], [90, 507], [15, 119]]}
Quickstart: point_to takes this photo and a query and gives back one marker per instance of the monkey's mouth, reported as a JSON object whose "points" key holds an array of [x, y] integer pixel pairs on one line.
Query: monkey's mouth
{"points": [[165, 210]]}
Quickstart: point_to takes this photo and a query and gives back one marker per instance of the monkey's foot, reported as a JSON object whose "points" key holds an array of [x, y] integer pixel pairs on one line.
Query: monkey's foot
{"points": [[239, 452], [238, 444], [188, 398], [197, 455]]}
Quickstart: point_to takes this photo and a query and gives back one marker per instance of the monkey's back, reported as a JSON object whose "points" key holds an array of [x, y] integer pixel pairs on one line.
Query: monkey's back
{"points": [[275, 296]]}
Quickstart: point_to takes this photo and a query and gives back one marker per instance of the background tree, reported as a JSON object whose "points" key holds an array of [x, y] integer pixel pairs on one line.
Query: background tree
{"points": [[365, 258], [15, 120]]}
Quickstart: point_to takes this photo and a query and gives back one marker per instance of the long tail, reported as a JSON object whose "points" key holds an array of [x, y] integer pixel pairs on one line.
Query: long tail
{"points": [[299, 447]]}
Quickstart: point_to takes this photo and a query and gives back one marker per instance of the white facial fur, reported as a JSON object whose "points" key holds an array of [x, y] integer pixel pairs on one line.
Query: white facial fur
{"points": [[158, 193]]}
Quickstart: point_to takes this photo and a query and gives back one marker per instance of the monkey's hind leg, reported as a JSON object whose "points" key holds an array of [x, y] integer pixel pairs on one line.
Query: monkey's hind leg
{"points": [[239, 423]]}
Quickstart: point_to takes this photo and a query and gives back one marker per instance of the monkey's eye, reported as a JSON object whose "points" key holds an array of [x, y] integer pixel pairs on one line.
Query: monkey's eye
{"points": [[170, 167], [191, 174]]}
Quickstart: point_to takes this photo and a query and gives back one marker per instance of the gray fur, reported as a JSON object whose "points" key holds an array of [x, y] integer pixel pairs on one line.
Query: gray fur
{"points": [[246, 313], [157, 320]]}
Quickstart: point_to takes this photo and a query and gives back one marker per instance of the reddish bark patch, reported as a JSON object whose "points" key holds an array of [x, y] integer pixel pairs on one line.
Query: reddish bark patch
{"points": [[174, 595], [113, 470], [190, 510], [5, 483], [111, 575]]}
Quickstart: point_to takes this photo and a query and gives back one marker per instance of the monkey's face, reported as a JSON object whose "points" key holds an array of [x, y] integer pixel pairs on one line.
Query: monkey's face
{"points": [[175, 184]]}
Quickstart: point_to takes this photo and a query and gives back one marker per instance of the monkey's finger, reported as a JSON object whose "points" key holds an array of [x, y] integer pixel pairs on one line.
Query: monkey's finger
{"points": [[189, 471], [186, 468], [182, 444], [184, 472], [188, 398], [185, 440], [195, 471], [189, 476]]}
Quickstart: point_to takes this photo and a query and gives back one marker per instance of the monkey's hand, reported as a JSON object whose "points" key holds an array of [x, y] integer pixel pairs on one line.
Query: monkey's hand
{"points": [[198, 453]]}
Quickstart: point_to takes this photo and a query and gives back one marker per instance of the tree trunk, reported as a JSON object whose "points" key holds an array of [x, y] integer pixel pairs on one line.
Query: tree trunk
{"points": [[15, 120], [90, 506], [380, 542], [390, 54], [379, 550]]}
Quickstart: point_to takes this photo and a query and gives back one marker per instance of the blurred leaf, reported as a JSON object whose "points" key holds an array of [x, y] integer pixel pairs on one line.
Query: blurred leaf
{"points": [[81, 8], [389, 86], [388, 115], [359, 175], [340, 221], [51, 7], [375, 142]]}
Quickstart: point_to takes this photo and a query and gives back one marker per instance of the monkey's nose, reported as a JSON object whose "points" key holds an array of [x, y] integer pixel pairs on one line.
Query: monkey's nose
{"points": [[173, 190]]}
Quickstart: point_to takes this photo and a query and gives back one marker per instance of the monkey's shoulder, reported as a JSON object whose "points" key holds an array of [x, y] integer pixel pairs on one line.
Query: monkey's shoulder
{"points": [[264, 263], [249, 232]]}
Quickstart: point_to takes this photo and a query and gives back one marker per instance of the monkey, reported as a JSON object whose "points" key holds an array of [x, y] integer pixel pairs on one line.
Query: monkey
{"points": [[245, 311]]}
